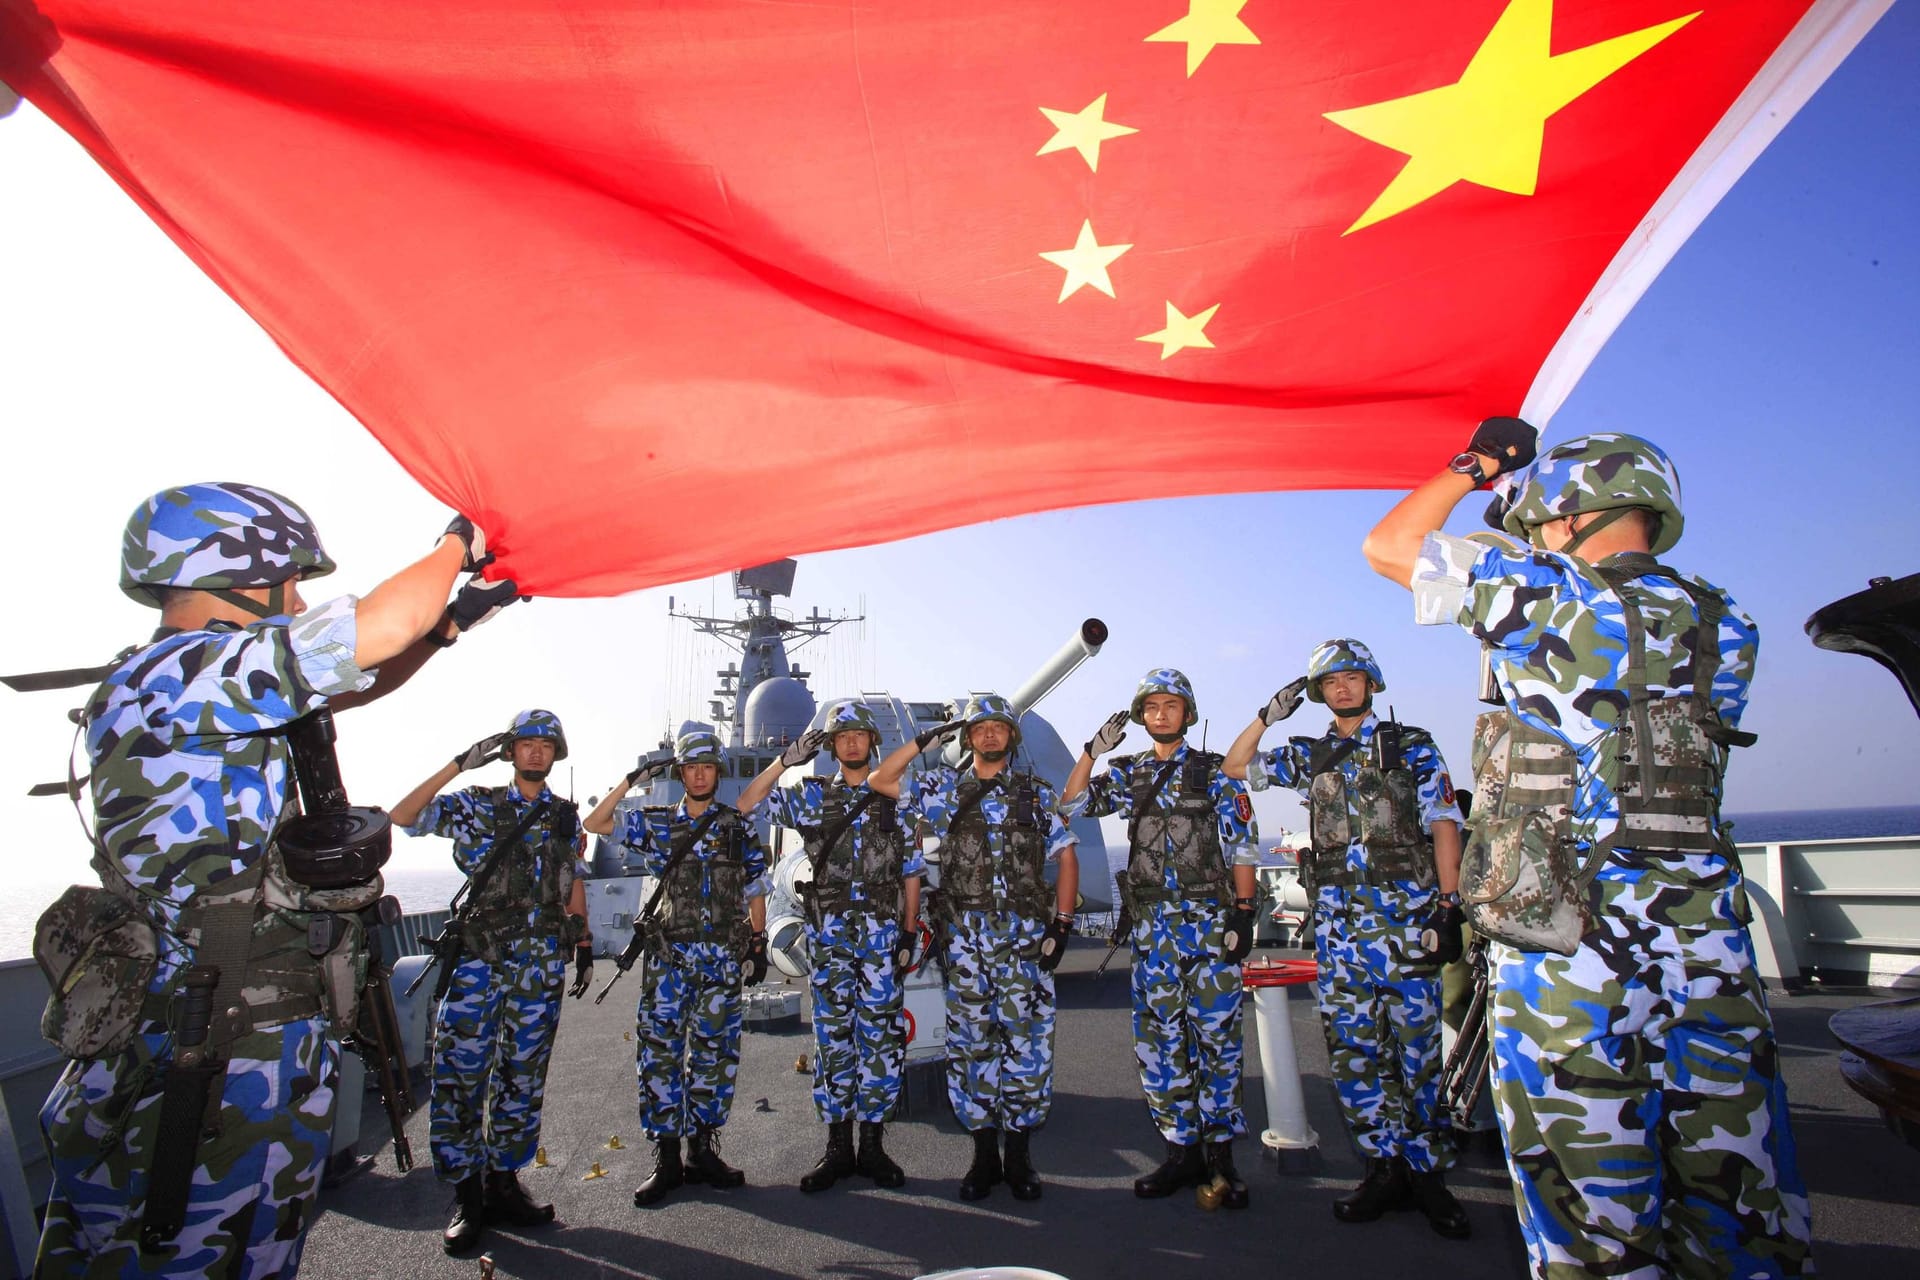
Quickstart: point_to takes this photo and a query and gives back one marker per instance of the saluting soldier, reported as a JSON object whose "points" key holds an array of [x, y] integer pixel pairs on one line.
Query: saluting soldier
{"points": [[708, 938], [1187, 898], [1382, 876]]}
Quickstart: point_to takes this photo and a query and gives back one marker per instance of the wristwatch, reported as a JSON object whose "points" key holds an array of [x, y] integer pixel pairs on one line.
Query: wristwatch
{"points": [[1468, 464]]}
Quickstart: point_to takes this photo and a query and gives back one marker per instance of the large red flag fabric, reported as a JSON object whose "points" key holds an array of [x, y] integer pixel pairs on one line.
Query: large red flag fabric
{"points": [[657, 289]]}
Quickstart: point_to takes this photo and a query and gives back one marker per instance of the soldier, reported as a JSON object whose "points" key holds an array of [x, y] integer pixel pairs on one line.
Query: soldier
{"points": [[862, 910], [1636, 1073], [1003, 930], [1187, 898], [494, 1028], [190, 768], [1382, 879], [709, 936]]}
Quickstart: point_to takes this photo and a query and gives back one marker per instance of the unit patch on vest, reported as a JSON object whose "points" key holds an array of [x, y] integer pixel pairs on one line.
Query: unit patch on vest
{"points": [[1243, 807]]}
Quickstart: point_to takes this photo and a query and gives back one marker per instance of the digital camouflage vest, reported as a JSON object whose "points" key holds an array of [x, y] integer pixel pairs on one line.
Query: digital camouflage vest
{"points": [[1381, 797], [536, 878], [1176, 828], [868, 853], [967, 856], [705, 898]]}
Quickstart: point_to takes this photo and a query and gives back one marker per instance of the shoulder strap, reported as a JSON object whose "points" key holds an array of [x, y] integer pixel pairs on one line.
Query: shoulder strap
{"points": [[497, 854], [972, 802], [1142, 803], [676, 857], [831, 836]]}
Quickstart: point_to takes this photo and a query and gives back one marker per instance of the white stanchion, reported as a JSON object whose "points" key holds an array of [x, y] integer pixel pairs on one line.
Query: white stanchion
{"points": [[1287, 1129]]}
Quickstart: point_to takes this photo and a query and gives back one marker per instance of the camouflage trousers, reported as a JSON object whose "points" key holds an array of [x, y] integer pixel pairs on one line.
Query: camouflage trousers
{"points": [[1186, 1023], [859, 1048], [687, 1039], [253, 1189], [1638, 1085], [1382, 1021], [492, 1041], [999, 1022]]}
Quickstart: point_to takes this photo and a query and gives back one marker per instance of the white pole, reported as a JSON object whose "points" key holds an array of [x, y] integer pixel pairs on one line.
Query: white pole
{"points": [[1287, 1129]]}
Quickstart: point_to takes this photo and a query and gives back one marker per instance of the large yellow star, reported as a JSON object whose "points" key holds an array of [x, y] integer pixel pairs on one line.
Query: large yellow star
{"points": [[1086, 263], [1208, 23], [1487, 128], [1182, 331], [1083, 130]]}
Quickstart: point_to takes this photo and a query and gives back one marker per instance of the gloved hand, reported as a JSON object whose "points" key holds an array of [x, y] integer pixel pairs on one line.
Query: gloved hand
{"points": [[488, 748], [803, 748], [582, 970], [903, 950], [754, 963], [477, 557], [938, 733], [1109, 734], [478, 600], [1122, 928], [1237, 941], [1284, 703], [1053, 943], [650, 767], [1440, 937], [1510, 442]]}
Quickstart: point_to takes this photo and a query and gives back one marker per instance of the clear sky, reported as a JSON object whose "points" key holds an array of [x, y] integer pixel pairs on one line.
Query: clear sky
{"points": [[1778, 358]]}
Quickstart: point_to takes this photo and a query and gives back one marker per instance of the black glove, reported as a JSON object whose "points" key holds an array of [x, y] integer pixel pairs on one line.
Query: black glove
{"points": [[488, 748], [939, 733], [477, 557], [903, 950], [1510, 442], [755, 962], [582, 970], [1109, 734], [1440, 938], [1237, 941], [478, 600], [803, 749], [650, 767], [1053, 943], [1122, 928], [1284, 703]]}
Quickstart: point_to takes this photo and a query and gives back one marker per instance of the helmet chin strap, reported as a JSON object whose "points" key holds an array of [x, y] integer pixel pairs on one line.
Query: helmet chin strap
{"points": [[1600, 521], [701, 796], [534, 775], [1165, 738], [1366, 705], [275, 606], [993, 757]]}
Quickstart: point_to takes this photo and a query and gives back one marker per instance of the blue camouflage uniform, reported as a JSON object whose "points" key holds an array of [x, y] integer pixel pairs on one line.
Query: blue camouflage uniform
{"points": [[185, 797], [1637, 1080], [999, 1002], [494, 1030], [1381, 1015], [1186, 999], [687, 1025], [860, 1048]]}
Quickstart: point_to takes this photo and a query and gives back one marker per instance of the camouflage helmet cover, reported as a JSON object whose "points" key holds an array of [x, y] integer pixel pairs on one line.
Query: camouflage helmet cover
{"points": [[848, 715], [535, 723], [1342, 655], [697, 746], [213, 537], [1164, 680], [1600, 472], [983, 707]]}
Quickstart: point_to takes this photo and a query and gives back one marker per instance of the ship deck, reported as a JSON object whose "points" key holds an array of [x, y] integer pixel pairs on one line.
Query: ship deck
{"points": [[1866, 1194]]}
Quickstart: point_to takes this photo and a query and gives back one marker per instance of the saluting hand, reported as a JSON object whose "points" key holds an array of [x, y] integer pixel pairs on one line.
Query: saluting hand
{"points": [[1109, 735], [1284, 703], [488, 748]]}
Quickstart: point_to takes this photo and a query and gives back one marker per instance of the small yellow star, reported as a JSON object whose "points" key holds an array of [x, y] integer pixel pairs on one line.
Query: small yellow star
{"points": [[1488, 127], [1183, 331], [1086, 263], [1083, 130], [1208, 23]]}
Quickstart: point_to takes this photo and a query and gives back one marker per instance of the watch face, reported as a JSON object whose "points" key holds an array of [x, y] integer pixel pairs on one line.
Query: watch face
{"points": [[1465, 463]]}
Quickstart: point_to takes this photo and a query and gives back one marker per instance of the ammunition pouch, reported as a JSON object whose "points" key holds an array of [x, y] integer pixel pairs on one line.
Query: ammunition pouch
{"points": [[1669, 778], [1522, 879], [98, 952]]}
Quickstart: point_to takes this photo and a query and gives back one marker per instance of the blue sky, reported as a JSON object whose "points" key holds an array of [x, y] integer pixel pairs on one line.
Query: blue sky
{"points": [[1777, 357]]}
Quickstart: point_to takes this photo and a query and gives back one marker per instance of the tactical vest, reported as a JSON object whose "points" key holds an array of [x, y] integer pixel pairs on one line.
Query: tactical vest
{"points": [[967, 857], [1187, 823], [1385, 798], [705, 898], [517, 888], [868, 854]]}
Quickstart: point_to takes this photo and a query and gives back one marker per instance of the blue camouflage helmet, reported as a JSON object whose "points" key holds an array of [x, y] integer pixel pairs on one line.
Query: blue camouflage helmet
{"points": [[1164, 680], [217, 537], [1602, 472], [697, 746], [846, 716], [983, 707], [536, 723], [1342, 655]]}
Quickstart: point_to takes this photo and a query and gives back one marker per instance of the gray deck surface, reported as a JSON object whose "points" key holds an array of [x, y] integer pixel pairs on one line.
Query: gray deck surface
{"points": [[1865, 1183]]}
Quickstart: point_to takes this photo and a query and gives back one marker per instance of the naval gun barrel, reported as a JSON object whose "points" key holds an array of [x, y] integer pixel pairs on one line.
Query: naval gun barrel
{"points": [[1083, 644]]}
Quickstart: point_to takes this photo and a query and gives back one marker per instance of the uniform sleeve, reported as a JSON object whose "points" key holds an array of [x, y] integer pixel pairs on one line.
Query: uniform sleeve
{"points": [[322, 642], [1107, 796], [269, 674], [1233, 808], [1442, 572], [1283, 766], [453, 814], [1435, 786], [759, 883], [1739, 650], [933, 797], [795, 805], [633, 832], [1059, 835]]}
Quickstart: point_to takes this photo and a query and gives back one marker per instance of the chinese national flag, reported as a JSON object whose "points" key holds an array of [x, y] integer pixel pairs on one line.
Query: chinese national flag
{"points": [[653, 290]]}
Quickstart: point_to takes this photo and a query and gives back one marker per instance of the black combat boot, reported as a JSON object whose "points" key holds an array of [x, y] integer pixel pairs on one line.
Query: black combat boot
{"points": [[667, 1172], [508, 1202], [469, 1215], [1018, 1167], [839, 1161], [873, 1160], [985, 1170], [704, 1163], [1385, 1187], [1224, 1178], [1184, 1167], [1444, 1214]]}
